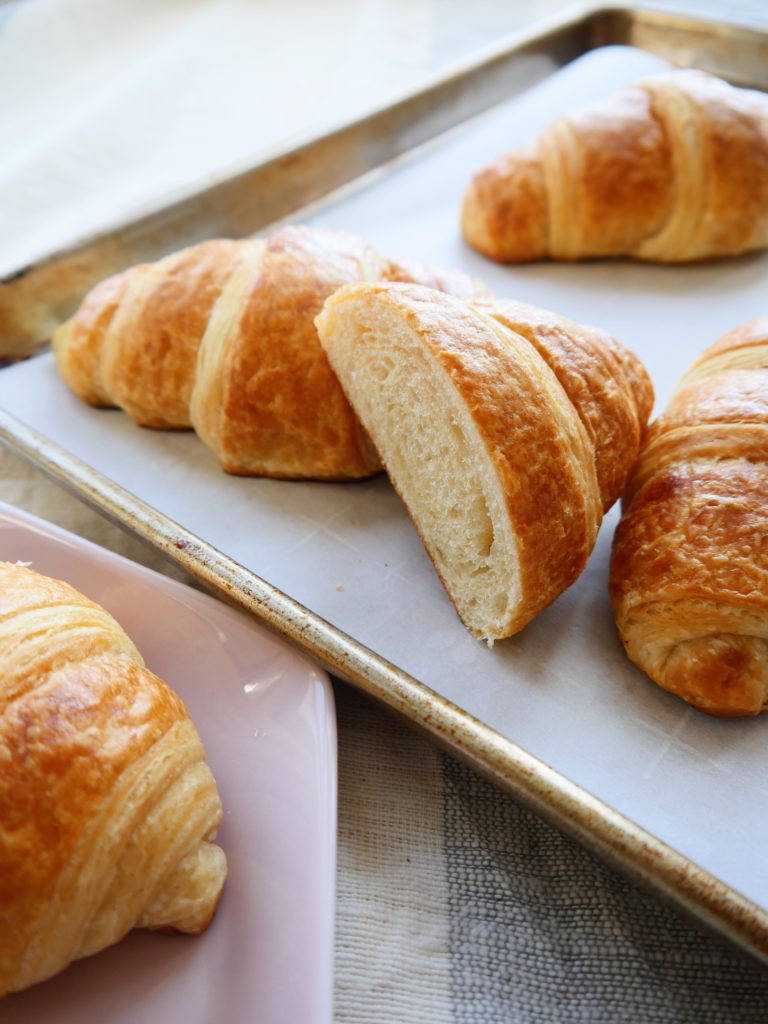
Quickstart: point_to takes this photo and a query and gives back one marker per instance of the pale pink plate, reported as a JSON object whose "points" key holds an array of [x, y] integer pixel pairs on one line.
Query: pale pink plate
{"points": [[267, 719]]}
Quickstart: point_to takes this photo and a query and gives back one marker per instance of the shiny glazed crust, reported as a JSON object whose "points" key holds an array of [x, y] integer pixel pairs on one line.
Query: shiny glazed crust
{"points": [[107, 806], [490, 445], [605, 382], [689, 573], [220, 337], [673, 168]]}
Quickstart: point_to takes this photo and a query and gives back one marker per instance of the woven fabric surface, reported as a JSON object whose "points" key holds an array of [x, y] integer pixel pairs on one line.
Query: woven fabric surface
{"points": [[542, 931], [393, 944]]}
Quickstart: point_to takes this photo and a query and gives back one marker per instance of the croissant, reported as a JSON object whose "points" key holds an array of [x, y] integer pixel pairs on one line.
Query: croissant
{"points": [[220, 337], [107, 806], [689, 571], [505, 429], [672, 168]]}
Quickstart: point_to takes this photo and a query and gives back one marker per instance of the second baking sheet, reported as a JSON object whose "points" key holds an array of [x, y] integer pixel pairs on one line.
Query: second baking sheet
{"points": [[562, 689]]}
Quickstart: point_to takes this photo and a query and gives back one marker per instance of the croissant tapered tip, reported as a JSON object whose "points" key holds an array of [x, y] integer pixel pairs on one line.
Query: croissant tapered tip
{"points": [[504, 214]]}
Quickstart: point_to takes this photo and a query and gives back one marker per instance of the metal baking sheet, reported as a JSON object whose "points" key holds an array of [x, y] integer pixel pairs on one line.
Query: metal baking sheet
{"points": [[556, 714]]}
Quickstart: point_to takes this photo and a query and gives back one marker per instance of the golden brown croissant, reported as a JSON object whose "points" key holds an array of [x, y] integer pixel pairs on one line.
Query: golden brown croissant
{"points": [[505, 429], [689, 573], [220, 337], [107, 806], [672, 168]]}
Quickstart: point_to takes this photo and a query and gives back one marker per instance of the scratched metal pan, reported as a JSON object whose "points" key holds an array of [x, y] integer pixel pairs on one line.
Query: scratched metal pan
{"points": [[313, 177]]}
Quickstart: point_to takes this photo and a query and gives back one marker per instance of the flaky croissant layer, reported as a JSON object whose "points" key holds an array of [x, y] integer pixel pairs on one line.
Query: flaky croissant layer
{"points": [[220, 337], [107, 806], [673, 168], [689, 572]]}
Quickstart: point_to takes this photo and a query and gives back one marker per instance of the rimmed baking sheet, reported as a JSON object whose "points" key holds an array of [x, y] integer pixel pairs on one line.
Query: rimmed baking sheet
{"points": [[561, 691]]}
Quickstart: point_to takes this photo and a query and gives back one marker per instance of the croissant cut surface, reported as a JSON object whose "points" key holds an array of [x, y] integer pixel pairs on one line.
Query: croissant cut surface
{"points": [[689, 572], [506, 430], [673, 168], [220, 337], [107, 806]]}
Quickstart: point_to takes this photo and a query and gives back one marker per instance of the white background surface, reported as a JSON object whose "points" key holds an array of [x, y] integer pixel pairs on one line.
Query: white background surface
{"points": [[562, 689]]}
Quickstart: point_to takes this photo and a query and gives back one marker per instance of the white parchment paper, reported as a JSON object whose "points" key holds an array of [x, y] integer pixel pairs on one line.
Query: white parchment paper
{"points": [[562, 689]]}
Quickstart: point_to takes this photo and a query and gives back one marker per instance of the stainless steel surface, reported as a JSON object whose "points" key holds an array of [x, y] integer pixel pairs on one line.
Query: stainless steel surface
{"points": [[736, 52], [36, 298]]}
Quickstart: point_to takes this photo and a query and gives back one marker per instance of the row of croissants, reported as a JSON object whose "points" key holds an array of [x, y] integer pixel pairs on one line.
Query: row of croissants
{"points": [[508, 432]]}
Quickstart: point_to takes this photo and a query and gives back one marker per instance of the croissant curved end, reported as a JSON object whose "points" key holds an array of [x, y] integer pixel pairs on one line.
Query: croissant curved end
{"points": [[723, 674], [504, 214]]}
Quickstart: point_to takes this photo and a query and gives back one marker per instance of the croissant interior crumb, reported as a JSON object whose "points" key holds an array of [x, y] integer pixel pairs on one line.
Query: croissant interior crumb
{"points": [[437, 463]]}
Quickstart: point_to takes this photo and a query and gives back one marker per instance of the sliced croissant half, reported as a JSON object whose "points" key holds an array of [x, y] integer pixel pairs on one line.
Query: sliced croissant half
{"points": [[495, 440]]}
